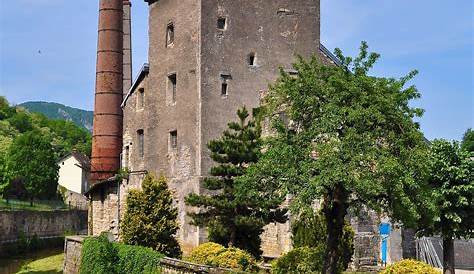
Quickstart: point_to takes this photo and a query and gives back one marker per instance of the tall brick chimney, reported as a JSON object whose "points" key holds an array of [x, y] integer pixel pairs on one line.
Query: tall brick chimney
{"points": [[127, 47], [107, 130]]}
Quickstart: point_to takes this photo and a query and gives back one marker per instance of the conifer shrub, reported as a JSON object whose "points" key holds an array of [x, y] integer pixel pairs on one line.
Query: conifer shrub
{"points": [[216, 255], [409, 266], [299, 260], [150, 218]]}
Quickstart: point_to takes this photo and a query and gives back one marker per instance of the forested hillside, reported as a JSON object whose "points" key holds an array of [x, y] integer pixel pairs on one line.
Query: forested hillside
{"points": [[30, 145], [82, 118]]}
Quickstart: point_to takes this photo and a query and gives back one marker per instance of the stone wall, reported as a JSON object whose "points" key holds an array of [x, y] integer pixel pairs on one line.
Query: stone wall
{"points": [[41, 223], [72, 251], [72, 261]]}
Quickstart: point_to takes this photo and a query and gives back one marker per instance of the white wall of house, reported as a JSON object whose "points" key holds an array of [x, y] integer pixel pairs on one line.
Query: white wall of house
{"points": [[71, 175]]}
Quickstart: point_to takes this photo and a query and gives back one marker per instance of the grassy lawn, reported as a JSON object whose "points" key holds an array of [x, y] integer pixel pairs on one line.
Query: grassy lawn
{"points": [[37, 205], [48, 265]]}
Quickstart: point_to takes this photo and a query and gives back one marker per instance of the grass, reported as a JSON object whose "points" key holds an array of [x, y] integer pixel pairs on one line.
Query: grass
{"points": [[48, 265], [37, 205]]}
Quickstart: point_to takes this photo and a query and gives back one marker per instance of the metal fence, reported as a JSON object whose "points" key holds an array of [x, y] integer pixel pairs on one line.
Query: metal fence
{"points": [[430, 251]]}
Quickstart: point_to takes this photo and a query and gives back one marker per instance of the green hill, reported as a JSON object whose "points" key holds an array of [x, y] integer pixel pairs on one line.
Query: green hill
{"points": [[82, 118]]}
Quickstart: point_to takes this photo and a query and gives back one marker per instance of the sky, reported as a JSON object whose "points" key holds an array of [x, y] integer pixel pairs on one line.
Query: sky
{"points": [[47, 50]]}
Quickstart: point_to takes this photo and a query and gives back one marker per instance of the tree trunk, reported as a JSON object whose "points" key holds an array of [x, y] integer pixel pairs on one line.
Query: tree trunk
{"points": [[448, 255], [232, 236], [31, 202], [335, 210]]}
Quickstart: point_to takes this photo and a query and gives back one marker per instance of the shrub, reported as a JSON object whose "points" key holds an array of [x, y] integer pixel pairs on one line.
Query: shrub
{"points": [[101, 256], [409, 266], [216, 255], [205, 253], [310, 230], [137, 259], [150, 218], [236, 259], [299, 260]]}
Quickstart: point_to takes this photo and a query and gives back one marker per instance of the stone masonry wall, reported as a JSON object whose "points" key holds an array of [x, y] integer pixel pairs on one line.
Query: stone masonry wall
{"points": [[72, 257], [41, 223]]}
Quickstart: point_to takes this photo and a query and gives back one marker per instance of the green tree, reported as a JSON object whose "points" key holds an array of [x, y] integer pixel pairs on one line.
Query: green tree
{"points": [[350, 140], [235, 216], [150, 218], [31, 158], [468, 140], [309, 230], [452, 180]]}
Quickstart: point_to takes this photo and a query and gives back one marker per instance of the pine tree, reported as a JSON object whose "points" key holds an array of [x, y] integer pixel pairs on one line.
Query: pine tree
{"points": [[150, 219], [235, 216]]}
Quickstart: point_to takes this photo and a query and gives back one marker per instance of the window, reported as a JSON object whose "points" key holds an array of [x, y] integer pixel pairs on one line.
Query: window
{"points": [[174, 139], [224, 89], [221, 23], [127, 156], [141, 99], [172, 86], [102, 195], [225, 77], [252, 59], [169, 34], [141, 143]]}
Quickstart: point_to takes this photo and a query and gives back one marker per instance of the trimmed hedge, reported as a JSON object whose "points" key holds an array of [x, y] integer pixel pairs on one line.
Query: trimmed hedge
{"points": [[409, 266], [99, 256], [299, 260], [216, 255]]}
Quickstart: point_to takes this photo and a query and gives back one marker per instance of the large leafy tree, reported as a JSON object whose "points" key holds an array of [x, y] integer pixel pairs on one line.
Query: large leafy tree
{"points": [[468, 140], [150, 218], [348, 138], [235, 216], [31, 159], [452, 180]]}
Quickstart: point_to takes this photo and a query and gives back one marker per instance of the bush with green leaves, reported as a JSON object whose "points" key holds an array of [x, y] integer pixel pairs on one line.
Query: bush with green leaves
{"points": [[299, 260], [150, 218], [216, 255], [137, 259], [309, 230], [409, 266], [99, 255]]}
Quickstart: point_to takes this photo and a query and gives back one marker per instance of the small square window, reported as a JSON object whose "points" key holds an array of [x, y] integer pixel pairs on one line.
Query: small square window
{"points": [[221, 23], [169, 34], [174, 139], [172, 86]]}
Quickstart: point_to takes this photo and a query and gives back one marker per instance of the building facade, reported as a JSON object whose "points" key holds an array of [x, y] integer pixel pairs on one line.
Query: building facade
{"points": [[207, 58]]}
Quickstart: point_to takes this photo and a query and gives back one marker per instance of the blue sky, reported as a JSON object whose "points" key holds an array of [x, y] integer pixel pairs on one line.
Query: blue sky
{"points": [[47, 50]]}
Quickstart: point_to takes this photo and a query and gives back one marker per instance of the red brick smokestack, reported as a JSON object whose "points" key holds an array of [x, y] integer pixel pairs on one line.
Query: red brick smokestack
{"points": [[107, 131]]}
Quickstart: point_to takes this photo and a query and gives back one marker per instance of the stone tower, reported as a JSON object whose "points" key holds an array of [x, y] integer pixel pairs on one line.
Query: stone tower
{"points": [[207, 58]]}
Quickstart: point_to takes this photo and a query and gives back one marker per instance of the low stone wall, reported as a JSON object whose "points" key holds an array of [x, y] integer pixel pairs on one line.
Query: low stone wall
{"points": [[43, 224], [72, 261], [72, 251]]}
